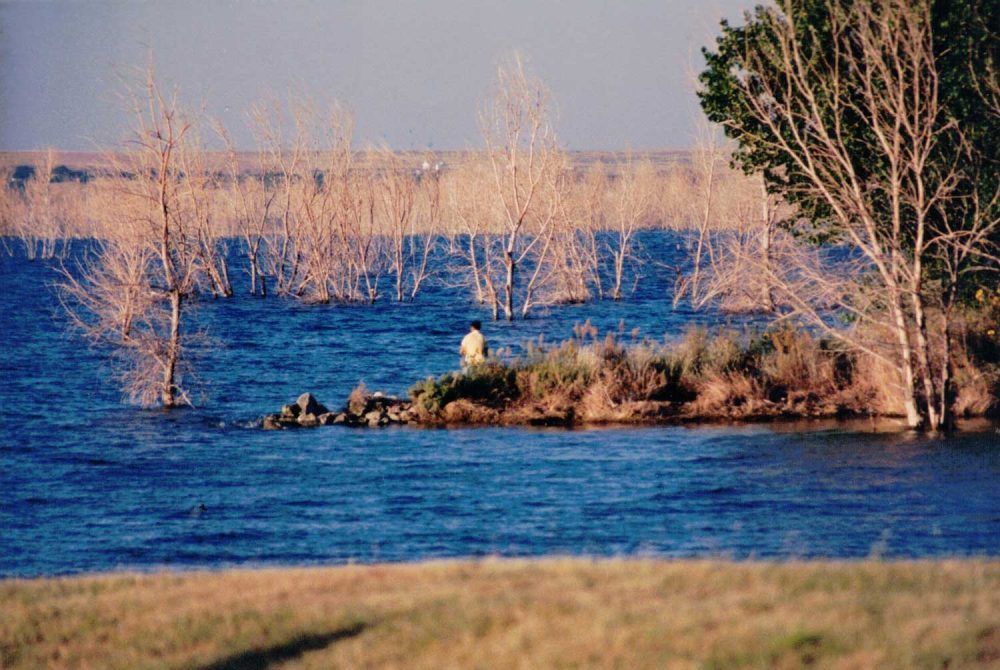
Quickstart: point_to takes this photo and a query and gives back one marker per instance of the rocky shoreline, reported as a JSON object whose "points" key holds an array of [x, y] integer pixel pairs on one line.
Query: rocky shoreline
{"points": [[377, 410], [369, 411]]}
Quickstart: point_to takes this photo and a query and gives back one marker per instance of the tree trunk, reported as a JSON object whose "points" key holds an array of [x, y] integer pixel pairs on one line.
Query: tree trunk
{"points": [[169, 391], [766, 246], [913, 417], [224, 269], [400, 268], [934, 416], [508, 287], [616, 294], [253, 275]]}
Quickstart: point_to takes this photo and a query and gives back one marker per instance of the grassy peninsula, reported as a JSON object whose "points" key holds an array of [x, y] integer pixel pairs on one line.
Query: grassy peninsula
{"points": [[496, 613], [701, 376]]}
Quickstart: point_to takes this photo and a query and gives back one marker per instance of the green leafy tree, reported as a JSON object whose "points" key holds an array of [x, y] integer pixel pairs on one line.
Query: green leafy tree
{"points": [[877, 120]]}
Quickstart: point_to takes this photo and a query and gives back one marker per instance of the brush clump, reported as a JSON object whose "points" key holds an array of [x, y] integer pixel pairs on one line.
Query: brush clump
{"points": [[781, 372]]}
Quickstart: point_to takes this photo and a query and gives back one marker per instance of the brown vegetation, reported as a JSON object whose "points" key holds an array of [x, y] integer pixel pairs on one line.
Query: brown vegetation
{"points": [[917, 227], [132, 292], [783, 373], [528, 224], [551, 613]]}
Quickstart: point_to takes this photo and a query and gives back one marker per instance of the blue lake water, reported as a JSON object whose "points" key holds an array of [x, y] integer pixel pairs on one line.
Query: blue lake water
{"points": [[89, 484]]}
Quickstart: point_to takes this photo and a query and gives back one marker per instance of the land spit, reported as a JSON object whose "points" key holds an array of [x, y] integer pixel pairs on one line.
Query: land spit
{"points": [[378, 410]]}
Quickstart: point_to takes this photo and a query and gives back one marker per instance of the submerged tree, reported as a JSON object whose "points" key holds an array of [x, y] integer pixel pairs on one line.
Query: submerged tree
{"points": [[38, 211], [527, 167], [868, 117], [248, 202], [131, 292]]}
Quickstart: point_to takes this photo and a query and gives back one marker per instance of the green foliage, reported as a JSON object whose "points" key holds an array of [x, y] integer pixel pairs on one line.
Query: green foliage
{"points": [[699, 354], [965, 50], [982, 325], [645, 372], [965, 55], [490, 383], [567, 368], [724, 100], [781, 364]]}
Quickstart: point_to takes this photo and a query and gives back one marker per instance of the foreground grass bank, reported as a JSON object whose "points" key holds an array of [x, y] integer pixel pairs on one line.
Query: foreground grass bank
{"points": [[574, 613]]}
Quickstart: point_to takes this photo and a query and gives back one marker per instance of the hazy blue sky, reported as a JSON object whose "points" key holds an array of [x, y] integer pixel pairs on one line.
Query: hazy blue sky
{"points": [[414, 72]]}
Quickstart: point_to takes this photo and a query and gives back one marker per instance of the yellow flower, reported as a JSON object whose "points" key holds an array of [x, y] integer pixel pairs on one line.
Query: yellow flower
{"points": [[980, 294], [991, 332]]}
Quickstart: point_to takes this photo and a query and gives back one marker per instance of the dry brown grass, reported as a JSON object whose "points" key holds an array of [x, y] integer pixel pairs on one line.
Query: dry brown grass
{"points": [[552, 613], [701, 376]]}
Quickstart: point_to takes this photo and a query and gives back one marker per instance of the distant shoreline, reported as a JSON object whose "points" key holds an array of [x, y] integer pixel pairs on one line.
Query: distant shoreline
{"points": [[82, 160]]}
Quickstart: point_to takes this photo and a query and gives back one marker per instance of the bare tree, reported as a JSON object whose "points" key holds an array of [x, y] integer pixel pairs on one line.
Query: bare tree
{"points": [[284, 158], [745, 256], [200, 196], [588, 202], [38, 214], [525, 160], [396, 192], [706, 162], [250, 199], [631, 197], [880, 72], [132, 291], [473, 230], [423, 238], [366, 245]]}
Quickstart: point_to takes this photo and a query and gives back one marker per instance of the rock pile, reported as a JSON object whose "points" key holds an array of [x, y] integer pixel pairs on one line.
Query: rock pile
{"points": [[368, 410]]}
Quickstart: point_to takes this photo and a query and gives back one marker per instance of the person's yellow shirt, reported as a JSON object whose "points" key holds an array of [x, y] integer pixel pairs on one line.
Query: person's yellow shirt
{"points": [[473, 349]]}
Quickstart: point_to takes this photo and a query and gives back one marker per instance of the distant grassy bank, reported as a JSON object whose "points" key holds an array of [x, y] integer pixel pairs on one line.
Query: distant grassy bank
{"points": [[560, 612]]}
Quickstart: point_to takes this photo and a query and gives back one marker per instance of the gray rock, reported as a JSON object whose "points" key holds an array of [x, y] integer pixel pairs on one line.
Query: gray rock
{"points": [[373, 416], [272, 422], [340, 418], [290, 411], [308, 420], [308, 404]]}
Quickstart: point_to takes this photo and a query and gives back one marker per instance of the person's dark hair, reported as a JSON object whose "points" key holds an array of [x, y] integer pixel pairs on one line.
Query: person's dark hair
{"points": [[477, 324]]}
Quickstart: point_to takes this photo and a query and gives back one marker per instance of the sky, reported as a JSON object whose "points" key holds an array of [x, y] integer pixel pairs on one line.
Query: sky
{"points": [[414, 73]]}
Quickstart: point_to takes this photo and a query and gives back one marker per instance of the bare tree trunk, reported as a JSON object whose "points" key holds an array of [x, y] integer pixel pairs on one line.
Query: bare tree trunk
{"points": [[169, 391], [710, 157], [913, 418], [508, 286], [253, 271], [765, 245], [474, 265], [525, 161], [616, 292]]}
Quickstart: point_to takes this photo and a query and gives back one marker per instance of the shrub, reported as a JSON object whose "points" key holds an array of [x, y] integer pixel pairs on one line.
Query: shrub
{"points": [[698, 354], [491, 384], [644, 372], [798, 361], [358, 400], [565, 369]]}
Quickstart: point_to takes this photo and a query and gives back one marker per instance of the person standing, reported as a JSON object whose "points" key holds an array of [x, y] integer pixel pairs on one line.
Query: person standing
{"points": [[474, 348]]}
